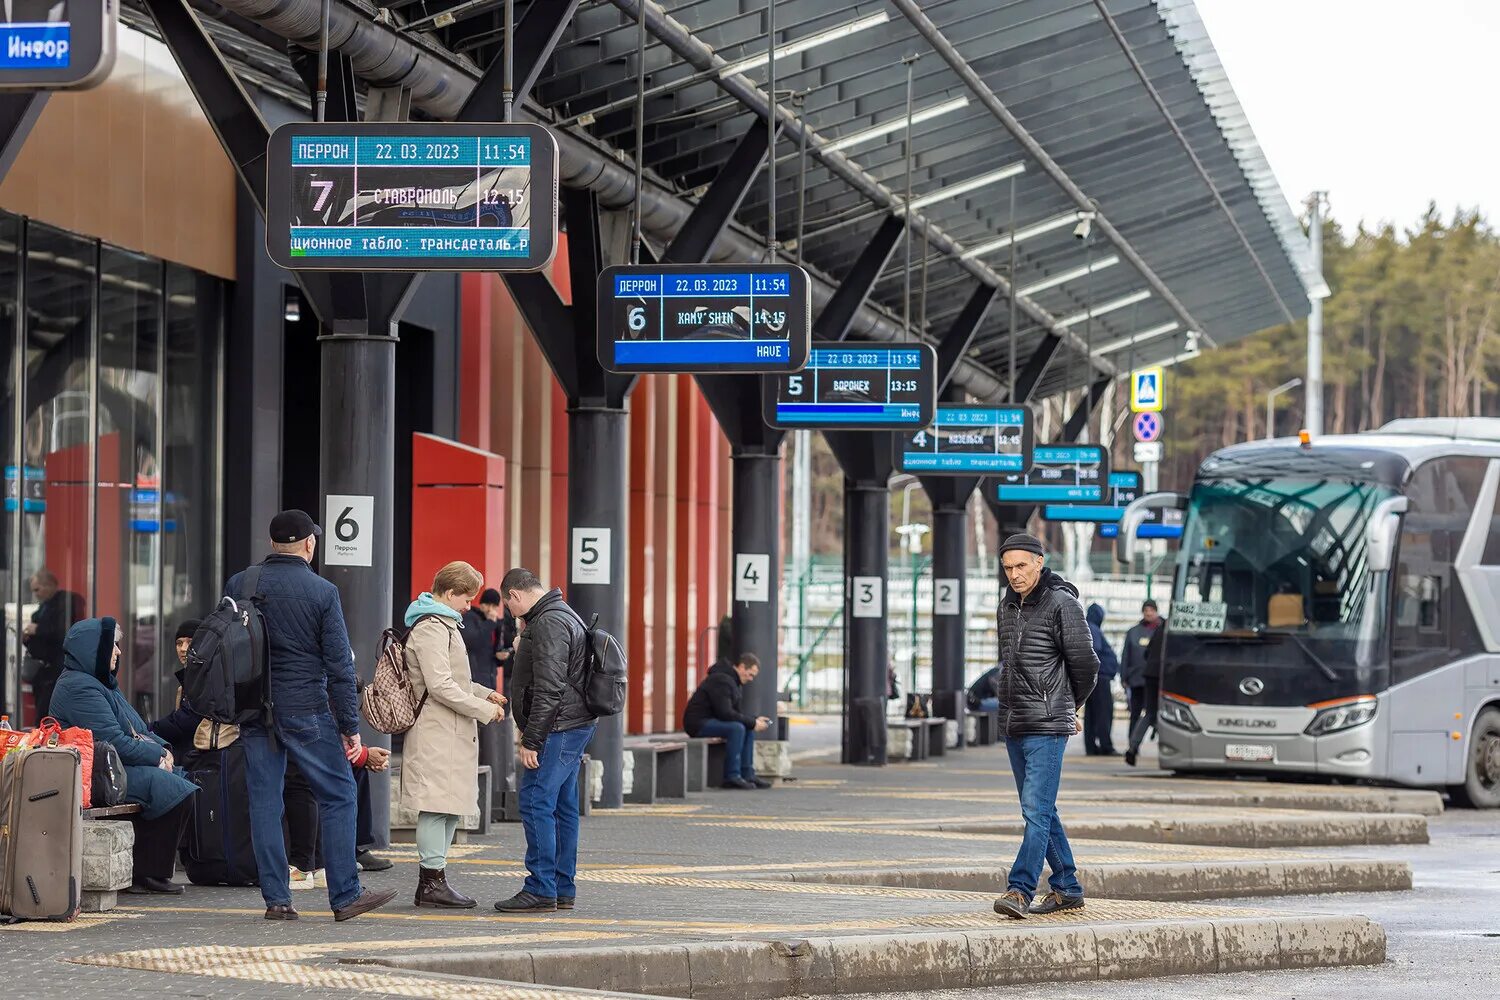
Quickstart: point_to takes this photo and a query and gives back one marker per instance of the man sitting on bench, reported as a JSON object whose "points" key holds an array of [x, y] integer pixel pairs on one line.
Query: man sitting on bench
{"points": [[714, 710]]}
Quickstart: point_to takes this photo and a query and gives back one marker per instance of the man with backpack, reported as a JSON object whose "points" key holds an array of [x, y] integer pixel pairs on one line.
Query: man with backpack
{"points": [[313, 719], [556, 723]]}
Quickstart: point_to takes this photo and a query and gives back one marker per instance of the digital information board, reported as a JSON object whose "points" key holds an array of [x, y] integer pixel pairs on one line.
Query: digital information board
{"points": [[1160, 522], [411, 196], [1060, 473], [857, 387], [969, 440], [56, 44], [1123, 487], [704, 318]]}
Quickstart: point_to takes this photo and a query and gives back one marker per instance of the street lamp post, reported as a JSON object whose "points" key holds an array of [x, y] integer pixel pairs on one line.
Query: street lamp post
{"points": [[1271, 404]]}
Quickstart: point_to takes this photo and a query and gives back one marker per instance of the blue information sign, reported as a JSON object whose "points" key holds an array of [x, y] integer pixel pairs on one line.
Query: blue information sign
{"points": [[857, 387], [411, 196], [969, 440], [1067, 473], [704, 318], [1124, 487], [56, 44]]}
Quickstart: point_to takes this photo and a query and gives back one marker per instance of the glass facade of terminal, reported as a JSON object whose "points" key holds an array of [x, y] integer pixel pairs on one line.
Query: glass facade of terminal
{"points": [[112, 417]]}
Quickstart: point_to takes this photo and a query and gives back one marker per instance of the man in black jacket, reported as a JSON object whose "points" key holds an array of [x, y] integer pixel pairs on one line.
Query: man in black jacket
{"points": [[1050, 668], [1151, 694], [714, 710], [1133, 662], [556, 726], [57, 611]]}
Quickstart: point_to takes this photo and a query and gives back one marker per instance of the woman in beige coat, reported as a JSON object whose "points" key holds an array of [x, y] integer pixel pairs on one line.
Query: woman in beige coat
{"points": [[440, 761]]}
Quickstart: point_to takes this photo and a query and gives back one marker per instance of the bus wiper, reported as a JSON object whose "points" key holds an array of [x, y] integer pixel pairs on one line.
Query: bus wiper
{"points": [[1327, 671]]}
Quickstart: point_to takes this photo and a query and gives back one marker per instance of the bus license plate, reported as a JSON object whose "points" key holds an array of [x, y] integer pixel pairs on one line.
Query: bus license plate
{"points": [[1249, 752]]}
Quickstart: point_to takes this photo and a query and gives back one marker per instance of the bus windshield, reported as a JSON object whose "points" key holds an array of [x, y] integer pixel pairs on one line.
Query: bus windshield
{"points": [[1266, 557]]}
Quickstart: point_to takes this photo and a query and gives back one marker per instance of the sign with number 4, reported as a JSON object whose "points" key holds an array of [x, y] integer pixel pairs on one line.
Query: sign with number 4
{"points": [[752, 576]]}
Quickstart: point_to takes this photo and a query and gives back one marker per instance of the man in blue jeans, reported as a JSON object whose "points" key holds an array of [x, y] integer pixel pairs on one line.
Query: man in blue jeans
{"points": [[556, 726], [316, 719], [1050, 668], [714, 710]]}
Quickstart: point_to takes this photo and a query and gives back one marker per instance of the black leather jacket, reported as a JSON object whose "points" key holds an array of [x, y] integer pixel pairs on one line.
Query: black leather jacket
{"points": [[549, 664], [1048, 656]]}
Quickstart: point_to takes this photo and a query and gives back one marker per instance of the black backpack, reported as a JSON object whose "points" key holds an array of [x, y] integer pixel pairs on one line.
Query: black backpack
{"points": [[227, 676], [605, 672]]}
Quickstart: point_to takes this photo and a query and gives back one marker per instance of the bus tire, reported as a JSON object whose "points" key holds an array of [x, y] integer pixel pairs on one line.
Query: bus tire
{"points": [[1481, 787]]}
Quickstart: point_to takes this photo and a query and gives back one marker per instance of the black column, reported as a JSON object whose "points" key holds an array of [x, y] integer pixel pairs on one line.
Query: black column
{"points": [[597, 501], [867, 509], [754, 530], [357, 459], [949, 589]]}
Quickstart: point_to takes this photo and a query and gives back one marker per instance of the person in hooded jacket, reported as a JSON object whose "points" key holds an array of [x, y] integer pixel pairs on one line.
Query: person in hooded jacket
{"points": [[1099, 711], [440, 758], [1050, 668], [714, 710], [88, 696]]}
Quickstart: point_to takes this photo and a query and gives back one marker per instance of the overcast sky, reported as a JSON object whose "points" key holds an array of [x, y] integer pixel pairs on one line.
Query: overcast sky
{"points": [[1385, 104]]}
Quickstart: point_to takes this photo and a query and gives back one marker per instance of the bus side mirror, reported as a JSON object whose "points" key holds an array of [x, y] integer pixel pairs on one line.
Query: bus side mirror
{"points": [[1136, 514], [1383, 531]]}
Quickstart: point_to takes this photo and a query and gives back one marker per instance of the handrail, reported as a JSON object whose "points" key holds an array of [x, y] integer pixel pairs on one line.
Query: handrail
{"points": [[801, 672]]}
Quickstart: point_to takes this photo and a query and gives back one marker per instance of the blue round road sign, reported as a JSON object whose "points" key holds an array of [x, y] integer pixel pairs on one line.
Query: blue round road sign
{"points": [[1147, 426]]}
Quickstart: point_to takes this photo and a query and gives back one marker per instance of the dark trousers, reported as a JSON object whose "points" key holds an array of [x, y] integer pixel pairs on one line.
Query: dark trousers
{"points": [[364, 823], [299, 823], [1151, 697], [1135, 700], [41, 689], [1098, 719], [156, 840]]}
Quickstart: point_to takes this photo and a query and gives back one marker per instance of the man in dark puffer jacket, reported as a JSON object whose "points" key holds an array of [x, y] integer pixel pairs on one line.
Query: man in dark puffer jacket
{"points": [[1050, 668]]}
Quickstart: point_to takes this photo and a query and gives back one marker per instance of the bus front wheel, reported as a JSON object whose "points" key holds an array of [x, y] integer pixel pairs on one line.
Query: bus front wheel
{"points": [[1481, 787]]}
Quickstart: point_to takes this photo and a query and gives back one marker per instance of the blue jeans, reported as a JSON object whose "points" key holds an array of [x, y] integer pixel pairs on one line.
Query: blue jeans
{"points": [[1036, 762], [989, 704], [739, 747], [549, 814], [312, 741]]}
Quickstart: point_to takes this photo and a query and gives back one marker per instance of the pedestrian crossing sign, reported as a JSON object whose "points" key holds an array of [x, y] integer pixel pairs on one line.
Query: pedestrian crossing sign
{"points": [[1146, 390]]}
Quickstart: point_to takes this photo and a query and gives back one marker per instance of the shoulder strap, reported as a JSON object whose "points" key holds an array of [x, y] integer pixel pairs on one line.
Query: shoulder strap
{"points": [[250, 583]]}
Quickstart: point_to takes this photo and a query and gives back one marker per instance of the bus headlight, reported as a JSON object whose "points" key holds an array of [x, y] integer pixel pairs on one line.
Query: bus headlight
{"points": [[1178, 714], [1346, 713]]}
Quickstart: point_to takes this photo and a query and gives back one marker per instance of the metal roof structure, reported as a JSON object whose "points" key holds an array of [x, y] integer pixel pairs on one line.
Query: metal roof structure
{"points": [[1113, 107]]}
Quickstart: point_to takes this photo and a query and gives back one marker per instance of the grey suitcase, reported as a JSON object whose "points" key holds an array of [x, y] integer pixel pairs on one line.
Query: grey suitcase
{"points": [[41, 834]]}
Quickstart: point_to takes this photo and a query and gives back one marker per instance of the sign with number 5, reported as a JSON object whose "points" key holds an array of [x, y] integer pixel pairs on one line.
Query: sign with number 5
{"points": [[591, 555]]}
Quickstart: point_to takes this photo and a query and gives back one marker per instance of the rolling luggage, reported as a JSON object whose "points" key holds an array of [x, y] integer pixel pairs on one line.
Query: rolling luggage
{"points": [[41, 834], [219, 850]]}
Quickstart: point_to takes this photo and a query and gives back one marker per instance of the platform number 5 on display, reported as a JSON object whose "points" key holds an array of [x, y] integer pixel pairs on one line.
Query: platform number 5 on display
{"points": [[591, 555], [752, 576]]}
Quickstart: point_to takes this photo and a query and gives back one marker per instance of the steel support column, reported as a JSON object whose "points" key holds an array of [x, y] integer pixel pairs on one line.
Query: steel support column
{"points": [[755, 530], [867, 509], [950, 524]]}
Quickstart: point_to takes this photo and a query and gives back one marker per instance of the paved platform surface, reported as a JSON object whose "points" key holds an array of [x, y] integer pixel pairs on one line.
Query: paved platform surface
{"points": [[726, 866]]}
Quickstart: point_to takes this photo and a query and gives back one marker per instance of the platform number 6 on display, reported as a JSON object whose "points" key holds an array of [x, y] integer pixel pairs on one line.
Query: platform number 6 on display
{"points": [[351, 530]]}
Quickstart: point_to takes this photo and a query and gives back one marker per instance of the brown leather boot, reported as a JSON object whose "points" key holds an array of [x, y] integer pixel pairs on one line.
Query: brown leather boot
{"points": [[433, 890]]}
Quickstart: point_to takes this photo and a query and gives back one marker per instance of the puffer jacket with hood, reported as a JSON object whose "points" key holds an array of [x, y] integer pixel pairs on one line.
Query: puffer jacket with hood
{"points": [[549, 672], [1048, 652], [88, 696]]}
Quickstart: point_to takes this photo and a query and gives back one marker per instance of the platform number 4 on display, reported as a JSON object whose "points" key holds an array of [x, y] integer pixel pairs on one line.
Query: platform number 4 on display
{"points": [[752, 576]]}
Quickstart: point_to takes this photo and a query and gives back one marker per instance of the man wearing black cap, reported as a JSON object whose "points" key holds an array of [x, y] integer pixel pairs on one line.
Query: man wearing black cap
{"points": [[316, 717], [1050, 668]]}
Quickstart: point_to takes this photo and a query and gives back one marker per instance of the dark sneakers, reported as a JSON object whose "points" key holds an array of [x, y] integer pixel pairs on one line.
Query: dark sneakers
{"points": [[367, 901], [525, 902], [155, 887], [565, 902], [280, 913], [1014, 905], [1055, 902], [739, 783], [760, 782], [371, 862]]}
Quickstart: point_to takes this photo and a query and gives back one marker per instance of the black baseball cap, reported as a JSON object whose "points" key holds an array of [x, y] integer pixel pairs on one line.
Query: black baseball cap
{"points": [[293, 526]]}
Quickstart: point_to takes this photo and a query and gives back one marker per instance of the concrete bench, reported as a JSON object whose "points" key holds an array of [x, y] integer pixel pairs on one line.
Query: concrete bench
{"points": [[705, 759], [986, 728], [936, 734], [108, 843], [508, 809], [660, 770], [906, 739]]}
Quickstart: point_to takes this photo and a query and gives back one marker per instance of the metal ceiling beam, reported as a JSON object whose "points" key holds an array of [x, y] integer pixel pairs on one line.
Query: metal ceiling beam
{"points": [[19, 111], [1036, 366], [955, 343], [1080, 417], [695, 240], [537, 34], [834, 321], [701, 56], [912, 10]]}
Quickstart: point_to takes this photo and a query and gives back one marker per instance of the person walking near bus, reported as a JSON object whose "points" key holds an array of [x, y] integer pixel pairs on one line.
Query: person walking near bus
{"points": [[1050, 668], [1099, 713], [1151, 697], [556, 726], [1133, 661], [440, 758]]}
